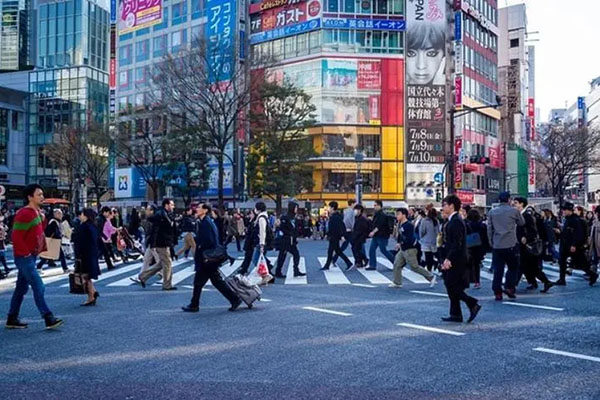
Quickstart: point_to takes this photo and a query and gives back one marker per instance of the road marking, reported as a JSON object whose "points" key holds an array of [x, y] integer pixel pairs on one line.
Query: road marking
{"points": [[289, 276], [567, 354], [363, 285], [373, 276], [343, 314], [334, 276], [406, 271], [265, 300], [429, 293], [127, 281], [115, 272], [431, 329], [533, 306]]}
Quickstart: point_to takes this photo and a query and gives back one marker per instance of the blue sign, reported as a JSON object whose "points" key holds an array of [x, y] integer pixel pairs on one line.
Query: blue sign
{"points": [[438, 177], [113, 11], [458, 26], [220, 31], [580, 103], [363, 23], [289, 30]]}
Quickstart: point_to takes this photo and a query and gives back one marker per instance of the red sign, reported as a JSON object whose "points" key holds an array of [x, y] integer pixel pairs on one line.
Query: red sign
{"points": [[369, 75], [314, 8], [457, 5], [531, 114], [458, 92], [289, 14], [374, 107], [458, 169], [113, 73], [466, 196]]}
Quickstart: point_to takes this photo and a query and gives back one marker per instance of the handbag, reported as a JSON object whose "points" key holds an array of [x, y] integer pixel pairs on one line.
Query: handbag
{"points": [[218, 255], [53, 249], [535, 248], [473, 240], [77, 283], [262, 269]]}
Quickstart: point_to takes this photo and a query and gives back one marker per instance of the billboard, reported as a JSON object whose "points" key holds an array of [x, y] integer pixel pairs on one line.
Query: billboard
{"points": [[220, 35], [128, 183], [138, 14], [365, 23], [289, 30], [279, 17], [425, 81]]}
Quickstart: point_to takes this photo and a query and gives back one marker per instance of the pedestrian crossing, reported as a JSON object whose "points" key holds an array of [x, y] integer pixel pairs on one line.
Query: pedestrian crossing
{"points": [[183, 274]]}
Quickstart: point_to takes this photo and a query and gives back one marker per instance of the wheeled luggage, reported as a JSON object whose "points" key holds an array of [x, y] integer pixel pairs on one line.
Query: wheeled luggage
{"points": [[247, 292]]}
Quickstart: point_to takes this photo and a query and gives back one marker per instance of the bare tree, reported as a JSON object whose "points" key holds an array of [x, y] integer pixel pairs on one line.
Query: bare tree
{"points": [[95, 165], [212, 92], [143, 145], [279, 144], [565, 151]]}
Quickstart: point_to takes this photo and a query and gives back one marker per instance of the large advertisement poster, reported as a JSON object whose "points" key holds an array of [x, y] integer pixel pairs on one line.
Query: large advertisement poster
{"points": [[220, 35], [138, 14], [279, 17], [425, 81]]}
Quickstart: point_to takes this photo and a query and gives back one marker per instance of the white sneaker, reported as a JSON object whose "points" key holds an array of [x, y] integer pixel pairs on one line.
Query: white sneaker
{"points": [[394, 285], [433, 281]]}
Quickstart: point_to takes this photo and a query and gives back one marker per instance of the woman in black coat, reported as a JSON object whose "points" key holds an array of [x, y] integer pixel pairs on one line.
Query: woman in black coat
{"points": [[87, 252]]}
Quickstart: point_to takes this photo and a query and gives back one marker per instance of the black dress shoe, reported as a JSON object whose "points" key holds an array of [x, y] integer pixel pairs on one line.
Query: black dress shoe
{"points": [[234, 306], [452, 319], [593, 279], [324, 269], [298, 274], [280, 275], [190, 308], [547, 287], [474, 312], [510, 293], [560, 282]]}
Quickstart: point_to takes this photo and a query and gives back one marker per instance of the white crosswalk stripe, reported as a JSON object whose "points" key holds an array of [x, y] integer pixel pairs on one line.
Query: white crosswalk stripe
{"points": [[127, 280], [289, 277], [407, 273], [373, 277], [334, 275]]}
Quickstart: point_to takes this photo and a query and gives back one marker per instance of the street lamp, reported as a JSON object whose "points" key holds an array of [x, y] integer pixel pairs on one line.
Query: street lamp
{"points": [[359, 157], [454, 113]]}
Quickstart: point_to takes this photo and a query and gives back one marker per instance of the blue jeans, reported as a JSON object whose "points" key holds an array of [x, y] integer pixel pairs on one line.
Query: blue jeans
{"points": [[382, 243], [28, 276], [510, 258]]}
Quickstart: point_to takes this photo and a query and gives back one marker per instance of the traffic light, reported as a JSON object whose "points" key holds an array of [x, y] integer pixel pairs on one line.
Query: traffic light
{"points": [[479, 160]]}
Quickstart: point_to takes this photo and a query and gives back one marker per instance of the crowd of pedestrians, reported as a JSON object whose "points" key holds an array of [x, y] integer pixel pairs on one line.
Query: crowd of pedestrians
{"points": [[450, 244]]}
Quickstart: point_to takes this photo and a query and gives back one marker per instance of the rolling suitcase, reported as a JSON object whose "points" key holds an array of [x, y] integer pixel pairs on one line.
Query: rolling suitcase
{"points": [[247, 292]]}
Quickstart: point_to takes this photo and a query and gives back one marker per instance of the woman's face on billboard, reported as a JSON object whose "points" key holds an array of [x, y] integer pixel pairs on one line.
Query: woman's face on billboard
{"points": [[422, 65]]}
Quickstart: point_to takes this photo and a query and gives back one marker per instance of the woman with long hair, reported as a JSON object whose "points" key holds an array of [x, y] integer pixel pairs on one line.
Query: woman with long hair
{"points": [[87, 252], [428, 234]]}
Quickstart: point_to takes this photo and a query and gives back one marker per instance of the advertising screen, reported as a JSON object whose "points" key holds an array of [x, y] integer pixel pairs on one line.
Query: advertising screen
{"points": [[425, 82]]}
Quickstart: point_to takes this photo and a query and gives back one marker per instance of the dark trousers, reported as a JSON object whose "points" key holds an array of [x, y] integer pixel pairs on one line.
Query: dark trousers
{"points": [[531, 268], [456, 294], [578, 261], [429, 260], [106, 253], [344, 245], [61, 257], [358, 251], [204, 275], [237, 241], [293, 250], [510, 259], [249, 252], [3, 261], [334, 248]]}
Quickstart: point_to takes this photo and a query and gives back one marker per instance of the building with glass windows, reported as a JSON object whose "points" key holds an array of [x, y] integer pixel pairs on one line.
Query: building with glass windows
{"points": [[17, 47], [349, 56], [69, 86]]}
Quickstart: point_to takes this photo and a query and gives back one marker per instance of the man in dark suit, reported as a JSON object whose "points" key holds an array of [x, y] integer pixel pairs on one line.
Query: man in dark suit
{"points": [[454, 267], [208, 238], [336, 231]]}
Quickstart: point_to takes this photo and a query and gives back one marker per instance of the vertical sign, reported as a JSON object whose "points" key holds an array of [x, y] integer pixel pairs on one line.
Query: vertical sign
{"points": [[458, 92], [531, 115], [458, 167], [581, 111], [458, 26], [531, 185], [113, 11], [426, 84], [220, 34]]}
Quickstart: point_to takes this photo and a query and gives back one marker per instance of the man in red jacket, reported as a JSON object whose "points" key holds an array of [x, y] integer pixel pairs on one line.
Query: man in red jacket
{"points": [[28, 241]]}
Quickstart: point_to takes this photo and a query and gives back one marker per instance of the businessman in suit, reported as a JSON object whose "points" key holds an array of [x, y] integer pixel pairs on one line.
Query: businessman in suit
{"points": [[454, 267]]}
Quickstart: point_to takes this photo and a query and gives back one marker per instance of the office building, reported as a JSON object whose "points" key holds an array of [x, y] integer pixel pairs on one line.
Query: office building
{"points": [[17, 35]]}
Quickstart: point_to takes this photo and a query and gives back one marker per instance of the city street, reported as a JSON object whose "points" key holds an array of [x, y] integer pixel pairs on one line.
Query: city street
{"points": [[340, 335]]}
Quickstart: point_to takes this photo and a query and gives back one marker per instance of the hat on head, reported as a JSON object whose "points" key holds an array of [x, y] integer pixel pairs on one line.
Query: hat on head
{"points": [[567, 206], [504, 197]]}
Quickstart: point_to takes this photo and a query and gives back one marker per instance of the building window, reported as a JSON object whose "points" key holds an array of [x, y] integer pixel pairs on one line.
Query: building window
{"points": [[178, 40], [142, 50], [514, 43], [125, 55], [196, 9], [160, 46], [126, 36], [332, 5], [141, 76], [179, 13], [125, 80], [165, 19], [142, 32]]}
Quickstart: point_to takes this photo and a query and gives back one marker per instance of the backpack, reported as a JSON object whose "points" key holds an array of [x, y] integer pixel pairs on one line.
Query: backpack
{"points": [[541, 227], [269, 237]]}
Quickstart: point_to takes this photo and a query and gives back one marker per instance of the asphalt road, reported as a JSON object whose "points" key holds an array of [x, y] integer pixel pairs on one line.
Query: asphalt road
{"points": [[312, 340]]}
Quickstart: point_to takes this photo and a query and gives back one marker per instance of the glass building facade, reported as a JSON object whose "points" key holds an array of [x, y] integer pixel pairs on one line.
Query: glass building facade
{"points": [[16, 50], [69, 86], [349, 56]]}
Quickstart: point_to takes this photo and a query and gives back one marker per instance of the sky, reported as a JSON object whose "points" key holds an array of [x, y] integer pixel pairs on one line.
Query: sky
{"points": [[567, 54]]}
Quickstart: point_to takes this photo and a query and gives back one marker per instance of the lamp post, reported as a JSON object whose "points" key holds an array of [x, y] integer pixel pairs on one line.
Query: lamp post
{"points": [[359, 157], [454, 113]]}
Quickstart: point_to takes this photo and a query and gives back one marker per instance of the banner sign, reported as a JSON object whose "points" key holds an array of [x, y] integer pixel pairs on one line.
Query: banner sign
{"points": [[113, 11], [220, 34], [138, 14], [363, 23], [289, 30], [458, 92], [425, 81], [369, 75], [531, 185], [280, 17], [458, 167]]}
